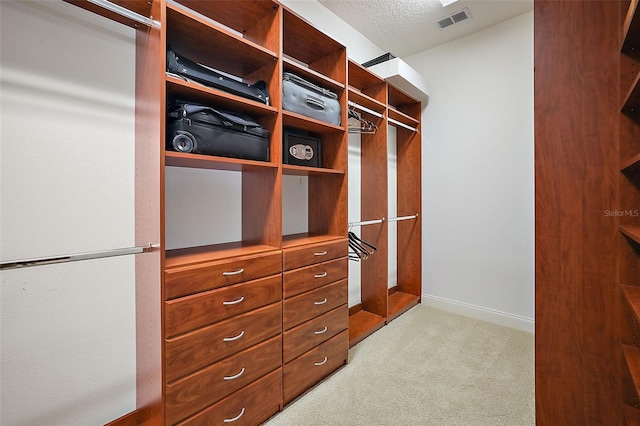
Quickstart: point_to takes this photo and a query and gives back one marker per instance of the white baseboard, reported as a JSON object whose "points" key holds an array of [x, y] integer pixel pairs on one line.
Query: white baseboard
{"points": [[485, 314]]}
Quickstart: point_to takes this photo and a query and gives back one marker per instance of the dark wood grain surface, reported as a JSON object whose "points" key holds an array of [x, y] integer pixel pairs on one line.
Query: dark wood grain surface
{"points": [[576, 162]]}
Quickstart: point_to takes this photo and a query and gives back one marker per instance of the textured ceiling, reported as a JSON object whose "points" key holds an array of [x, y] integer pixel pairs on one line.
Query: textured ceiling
{"points": [[405, 27]]}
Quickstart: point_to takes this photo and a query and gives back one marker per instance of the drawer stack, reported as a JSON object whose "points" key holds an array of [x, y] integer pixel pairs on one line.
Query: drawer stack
{"points": [[315, 315], [223, 343]]}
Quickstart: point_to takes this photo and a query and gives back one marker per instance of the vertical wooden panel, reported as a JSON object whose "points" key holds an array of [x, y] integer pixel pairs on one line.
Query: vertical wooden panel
{"points": [[373, 205], [149, 218], [576, 129], [409, 260]]}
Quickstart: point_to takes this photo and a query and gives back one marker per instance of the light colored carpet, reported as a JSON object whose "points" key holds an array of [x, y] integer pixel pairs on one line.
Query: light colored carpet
{"points": [[428, 367]]}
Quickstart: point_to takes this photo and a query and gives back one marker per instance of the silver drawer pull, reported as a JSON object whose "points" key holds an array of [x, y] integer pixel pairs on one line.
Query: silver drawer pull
{"points": [[235, 376], [239, 271], [235, 418], [231, 339], [322, 275], [234, 302], [323, 362], [324, 330], [320, 253], [322, 302]]}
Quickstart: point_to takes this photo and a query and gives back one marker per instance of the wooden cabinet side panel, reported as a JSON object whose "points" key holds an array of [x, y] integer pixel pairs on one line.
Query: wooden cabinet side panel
{"points": [[576, 126], [374, 203], [149, 216], [409, 257]]}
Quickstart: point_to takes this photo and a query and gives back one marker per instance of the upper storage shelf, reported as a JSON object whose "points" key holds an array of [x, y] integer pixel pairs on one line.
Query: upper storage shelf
{"points": [[139, 7], [366, 87], [403, 109], [254, 20], [200, 40], [312, 49]]}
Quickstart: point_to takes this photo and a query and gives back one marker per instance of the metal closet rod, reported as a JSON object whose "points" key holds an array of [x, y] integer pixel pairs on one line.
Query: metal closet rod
{"points": [[365, 109], [123, 11], [391, 219], [25, 263], [397, 123]]}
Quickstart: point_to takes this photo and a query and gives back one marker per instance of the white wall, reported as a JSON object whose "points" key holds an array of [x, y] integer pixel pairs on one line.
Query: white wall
{"points": [[478, 235], [67, 186]]}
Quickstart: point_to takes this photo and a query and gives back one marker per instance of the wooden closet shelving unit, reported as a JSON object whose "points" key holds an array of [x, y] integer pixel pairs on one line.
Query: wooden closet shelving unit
{"points": [[380, 304], [269, 312], [629, 207], [370, 91]]}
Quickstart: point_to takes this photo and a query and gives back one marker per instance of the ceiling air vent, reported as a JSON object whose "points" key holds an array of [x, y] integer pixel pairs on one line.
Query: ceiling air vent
{"points": [[454, 18]]}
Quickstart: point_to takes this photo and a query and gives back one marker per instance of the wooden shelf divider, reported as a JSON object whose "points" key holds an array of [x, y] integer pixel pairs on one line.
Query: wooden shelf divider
{"points": [[632, 357], [631, 231]]}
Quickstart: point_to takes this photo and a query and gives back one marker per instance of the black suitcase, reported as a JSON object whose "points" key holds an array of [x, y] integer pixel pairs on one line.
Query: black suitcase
{"points": [[203, 130], [184, 67]]}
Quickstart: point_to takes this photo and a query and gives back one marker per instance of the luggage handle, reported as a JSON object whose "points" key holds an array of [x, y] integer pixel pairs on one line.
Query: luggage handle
{"points": [[315, 103], [226, 118]]}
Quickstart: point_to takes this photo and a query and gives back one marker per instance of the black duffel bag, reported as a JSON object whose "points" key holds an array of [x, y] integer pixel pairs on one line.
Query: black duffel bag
{"points": [[201, 129], [184, 67]]}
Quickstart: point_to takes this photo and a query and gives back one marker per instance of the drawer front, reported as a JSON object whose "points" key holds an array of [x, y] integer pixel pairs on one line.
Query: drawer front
{"points": [[310, 334], [193, 351], [313, 303], [193, 393], [313, 366], [248, 407], [191, 312], [314, 276], [314, 253], [187, 280]]}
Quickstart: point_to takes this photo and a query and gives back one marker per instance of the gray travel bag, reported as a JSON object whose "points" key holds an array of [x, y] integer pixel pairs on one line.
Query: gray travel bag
{"points": [[303, 97]]}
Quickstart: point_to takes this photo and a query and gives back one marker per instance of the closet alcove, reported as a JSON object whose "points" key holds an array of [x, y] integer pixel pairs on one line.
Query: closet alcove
{"points": [[390, 203]]}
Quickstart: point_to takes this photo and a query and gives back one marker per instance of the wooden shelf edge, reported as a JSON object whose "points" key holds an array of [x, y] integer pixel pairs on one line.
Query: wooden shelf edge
{"points": [[295, 240], [176, 258], [631, 415], [293, 119], [362, 324], [399, 303], [631, 163], [632, 358], [631, 21], [632, 98], [402, 117], [289, 169], [181, 86], [631, 231], [632, 296], [142, 8], [201, 161], [366, 101]]}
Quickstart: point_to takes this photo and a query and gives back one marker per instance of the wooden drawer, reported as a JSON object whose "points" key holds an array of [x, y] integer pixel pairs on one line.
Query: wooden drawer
{"points": [[195, 392], [316, 302], [248, 407], [185, 280], [306, 336], [314, 276], [193, 351], [191, 312], [314, 253], [313, 366]]}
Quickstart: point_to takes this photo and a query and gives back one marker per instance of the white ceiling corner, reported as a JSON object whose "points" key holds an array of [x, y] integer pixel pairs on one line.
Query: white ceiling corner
{"points": [[407, 27]]}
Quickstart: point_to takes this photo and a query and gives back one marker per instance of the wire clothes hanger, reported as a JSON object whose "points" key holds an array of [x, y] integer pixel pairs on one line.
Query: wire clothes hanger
{"points": [[360, 249], [357, 124]]}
